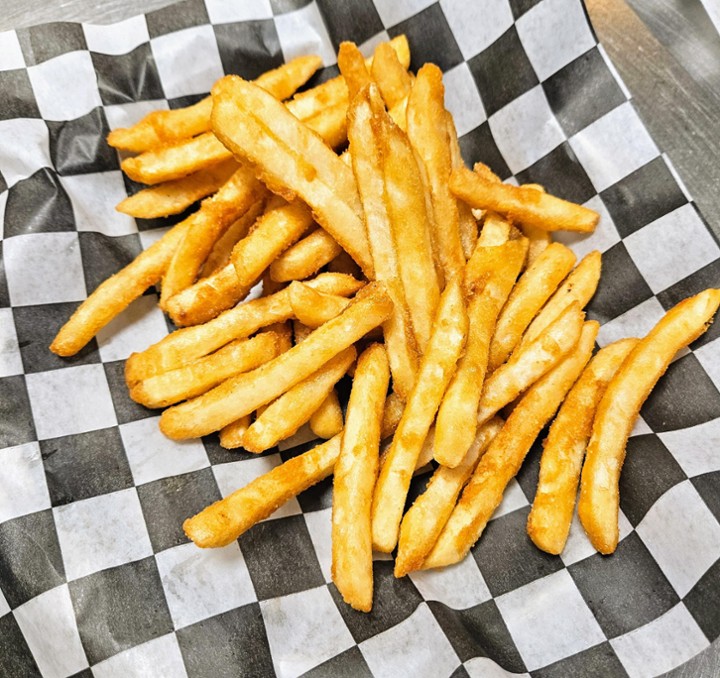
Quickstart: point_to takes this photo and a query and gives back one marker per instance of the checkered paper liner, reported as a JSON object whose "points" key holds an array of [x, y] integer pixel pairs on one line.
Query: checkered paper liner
{"points": [[96, 576]]}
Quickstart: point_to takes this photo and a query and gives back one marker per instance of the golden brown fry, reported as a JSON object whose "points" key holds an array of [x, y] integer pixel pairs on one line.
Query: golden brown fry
{"points": [[285, 415], [245, 393], [564, 449], [191, 380], [331, 124], [539, 240], [391, 76], [527, 298], [436, 369], [483, 493], [468, 223], [313, 308], [188, 344], [352, 68], [426, 518], [491, 274], [355, 475], [172, 197], [231, 436], [428, 132], [521, 204], [327, 420], [495, 231], [306, 257], [116, 293], [394, 407], [599, 493]]}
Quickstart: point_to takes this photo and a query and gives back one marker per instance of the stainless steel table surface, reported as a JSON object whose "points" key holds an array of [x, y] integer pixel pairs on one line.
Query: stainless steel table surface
{"points": [[666, 51]]}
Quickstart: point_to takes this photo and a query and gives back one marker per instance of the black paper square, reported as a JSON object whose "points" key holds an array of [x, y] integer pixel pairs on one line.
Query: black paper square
{"points": [[36, 327], [125, 408], [522, 561], [625, 590], [280, 557], [125, 78], [479, 631], [4, 294], [561, 174], [320, 76], [394, 600], [79, 146], [348, 664], [176, 17], [3, 184], [168, 502], [233, 643], [18, 96], [582, 92], [703, 602], [519, 7], [502, 72], [220, 455], [319, 496], [358, 20], [30, 560], [104, 255], [181, 102], [120, 608], [85, 465], [529, 473], [621, 287], [85, 673], [685, 396], [16, 659], [599, 660], [648, 472], [478, 145], [16, 421], [708, 487], [38, 204], [248, 48], [430, 38], [643, 196], [286, 6], [46, 41]]}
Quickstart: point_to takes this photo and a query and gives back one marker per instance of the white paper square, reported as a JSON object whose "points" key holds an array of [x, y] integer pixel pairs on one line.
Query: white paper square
{"points": [[158, 657], [484, 667], [10, 360], [4, 607], [708, 357], [661, 645], [462, 99], [222, 11], [200, 583], [526, 130], [93, 197], [3, 204], [137, 327], [71, 400], [118, 38], [65, 87], [126, 115], [513, 499], [152, 455], [11, 56], [303, 435], [303, 32], [237, 474], [33, 259], [432, 654], [296, 648], [554, 33], [368, 47], [476, 25], [319, 524], [22, 479], [682, 535], [613, 146], [549, 620], [458, 586], [394, 12], [602, 238], [101, 532], [671, 247], [636, 322], [176, 57], [26, 148], [49, 627], [149, 238]]}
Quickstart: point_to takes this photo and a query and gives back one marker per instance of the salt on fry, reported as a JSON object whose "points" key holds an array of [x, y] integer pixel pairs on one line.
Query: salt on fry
{"points": [[306, 257]]}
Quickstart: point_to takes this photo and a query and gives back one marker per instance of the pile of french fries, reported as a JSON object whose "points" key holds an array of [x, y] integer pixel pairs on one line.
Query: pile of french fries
{"points": [[438, 288]]}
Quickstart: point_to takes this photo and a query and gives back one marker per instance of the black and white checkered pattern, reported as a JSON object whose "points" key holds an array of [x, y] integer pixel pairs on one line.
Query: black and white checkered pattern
{"points": [[96, 576]]}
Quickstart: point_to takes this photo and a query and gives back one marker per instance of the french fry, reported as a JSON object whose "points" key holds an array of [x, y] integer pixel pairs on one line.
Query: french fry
{"points": [[394, 407], [352, 68], [197, 377], [391, 76], [529, 295], [490, 275], [538, 238], [426, 518], [599, 494], [428, 132], [172, 197], [521, 204], [306, 257], [564, 449], [284, 416], [355, 475], [331, 124], [188, 344], [231, 436], [467, 222], [495, 231], [327, 420], [436, 369], [313, 308], [245, 393], [501, 462]]}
